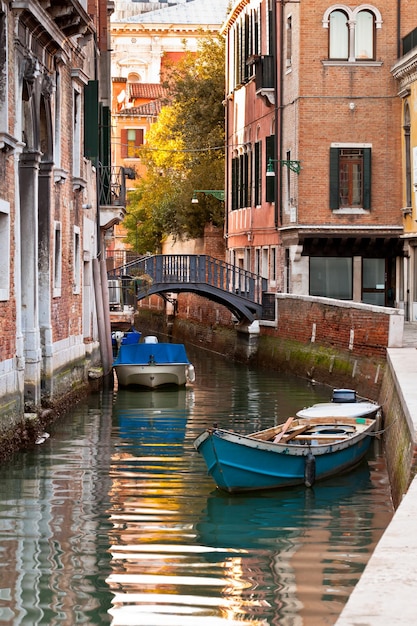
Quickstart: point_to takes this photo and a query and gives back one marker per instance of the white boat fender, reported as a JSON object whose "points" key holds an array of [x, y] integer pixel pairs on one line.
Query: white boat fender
{"points": [[310, 469], [190, 373]]}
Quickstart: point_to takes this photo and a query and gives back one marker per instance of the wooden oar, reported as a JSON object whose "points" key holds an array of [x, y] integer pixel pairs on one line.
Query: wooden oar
{"points": [[284, 429]]}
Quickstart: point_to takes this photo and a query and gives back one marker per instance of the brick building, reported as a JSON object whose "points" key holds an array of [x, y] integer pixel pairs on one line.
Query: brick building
{"points": [[54, 175], [314, 185]]}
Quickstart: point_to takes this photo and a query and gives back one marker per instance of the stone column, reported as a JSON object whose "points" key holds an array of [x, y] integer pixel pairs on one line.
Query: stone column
{"points": [[28, 192]]}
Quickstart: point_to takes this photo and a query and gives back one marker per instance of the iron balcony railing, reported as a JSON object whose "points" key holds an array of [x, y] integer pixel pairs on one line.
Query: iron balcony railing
{"points": [[112, 184]]}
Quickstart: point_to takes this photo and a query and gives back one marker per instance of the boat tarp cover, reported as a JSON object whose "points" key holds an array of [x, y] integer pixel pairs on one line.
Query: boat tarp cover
{"points": [[145, 353]]}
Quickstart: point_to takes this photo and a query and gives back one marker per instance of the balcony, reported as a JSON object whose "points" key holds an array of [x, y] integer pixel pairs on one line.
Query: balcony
{"points": [[265, 78], [112, 193]]}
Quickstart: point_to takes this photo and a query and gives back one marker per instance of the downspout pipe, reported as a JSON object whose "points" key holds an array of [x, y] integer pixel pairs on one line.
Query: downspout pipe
{"points": [[278, 18], [398, 29]]}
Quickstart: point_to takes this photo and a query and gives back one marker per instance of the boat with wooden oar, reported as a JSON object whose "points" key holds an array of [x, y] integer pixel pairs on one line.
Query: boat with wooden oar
{"points": [[319, 442]]}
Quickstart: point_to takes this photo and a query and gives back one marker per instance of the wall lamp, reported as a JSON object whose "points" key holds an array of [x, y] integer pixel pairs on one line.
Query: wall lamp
{"points": [[216, 193], [295, 166]]}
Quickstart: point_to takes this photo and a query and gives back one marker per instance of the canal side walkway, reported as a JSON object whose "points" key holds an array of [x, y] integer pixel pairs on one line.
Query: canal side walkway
{"points": [[386, 594]]}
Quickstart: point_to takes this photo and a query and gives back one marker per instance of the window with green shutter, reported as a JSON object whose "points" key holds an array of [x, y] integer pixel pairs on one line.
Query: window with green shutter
{"points": [[350, 178], [270, 180]]}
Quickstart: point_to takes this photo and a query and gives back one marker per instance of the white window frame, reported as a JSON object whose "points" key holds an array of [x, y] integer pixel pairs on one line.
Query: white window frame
{"points": [[5, 250], [77, 261], [57, 266], [352, 15]]}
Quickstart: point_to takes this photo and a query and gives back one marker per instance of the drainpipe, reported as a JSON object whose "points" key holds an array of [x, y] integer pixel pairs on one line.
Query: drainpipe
{"points": [[398, 29], [227, 153], [278, 17]]}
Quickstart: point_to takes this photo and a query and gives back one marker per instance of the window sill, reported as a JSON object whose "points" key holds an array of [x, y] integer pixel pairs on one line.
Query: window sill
{"points": [[351, 211], [60, 175], [357, 63], [7, 142]]}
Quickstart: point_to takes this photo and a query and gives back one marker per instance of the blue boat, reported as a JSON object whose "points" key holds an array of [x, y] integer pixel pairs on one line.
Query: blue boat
{"points": [[301, 451], [152, 364]]}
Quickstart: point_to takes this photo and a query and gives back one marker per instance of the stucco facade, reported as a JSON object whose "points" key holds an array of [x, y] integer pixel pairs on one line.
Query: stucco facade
{"points": [[405, 72]]}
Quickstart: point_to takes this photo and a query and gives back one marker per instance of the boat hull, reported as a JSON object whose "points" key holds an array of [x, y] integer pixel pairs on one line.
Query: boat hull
{"points": [[152, 364], [152, 376], [240, 463]]}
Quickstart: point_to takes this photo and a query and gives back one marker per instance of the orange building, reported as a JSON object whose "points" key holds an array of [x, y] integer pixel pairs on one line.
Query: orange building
{"points": [[143, 45]]}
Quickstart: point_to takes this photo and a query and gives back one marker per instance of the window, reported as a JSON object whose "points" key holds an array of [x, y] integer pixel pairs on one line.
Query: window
{"points": [[241, 184], [331, 277], [76, 154], [77, 264], [5, 249], [57, 259], [289, 42], [273, 265], [373, 281], [258, 169], [338, 35], [270, 180], [352, 32], [132, 140], [246, 45], [4, 89], [350, 178]]}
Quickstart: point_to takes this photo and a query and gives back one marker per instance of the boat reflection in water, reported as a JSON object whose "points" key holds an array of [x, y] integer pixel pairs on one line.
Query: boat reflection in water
{"points": [[153, 417], [183, 554]]}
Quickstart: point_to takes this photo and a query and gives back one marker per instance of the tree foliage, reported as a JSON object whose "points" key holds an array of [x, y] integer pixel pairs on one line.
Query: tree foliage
{"points": [[184, 151]]}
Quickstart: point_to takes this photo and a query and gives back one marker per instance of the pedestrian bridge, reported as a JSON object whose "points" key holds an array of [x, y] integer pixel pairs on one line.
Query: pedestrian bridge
{"points": [[242, 292]]}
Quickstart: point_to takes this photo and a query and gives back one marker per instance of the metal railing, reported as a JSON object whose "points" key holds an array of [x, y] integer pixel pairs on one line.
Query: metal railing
{"points": [[111, 185], [196, 269]]}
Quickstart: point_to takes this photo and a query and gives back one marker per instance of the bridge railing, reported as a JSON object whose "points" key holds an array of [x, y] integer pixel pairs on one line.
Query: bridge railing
{"points": [[175, 269]]}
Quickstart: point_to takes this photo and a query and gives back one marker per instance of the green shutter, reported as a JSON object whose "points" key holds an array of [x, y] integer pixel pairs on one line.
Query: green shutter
{"points": [[91, 120], [334, 178], [234, 184], [257, 199], [270, 180], [367, 178]]}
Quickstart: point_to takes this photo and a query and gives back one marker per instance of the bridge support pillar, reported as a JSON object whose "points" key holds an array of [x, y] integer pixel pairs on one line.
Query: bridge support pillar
{"points": [[247, 340]]}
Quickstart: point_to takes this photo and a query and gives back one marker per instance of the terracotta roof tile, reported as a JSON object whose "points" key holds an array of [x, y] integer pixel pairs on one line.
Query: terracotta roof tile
{"points": [[146, 90]]}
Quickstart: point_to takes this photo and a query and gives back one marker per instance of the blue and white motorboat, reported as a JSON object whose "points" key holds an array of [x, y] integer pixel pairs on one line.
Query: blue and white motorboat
{"points": [[327, 441], [152, 364]]}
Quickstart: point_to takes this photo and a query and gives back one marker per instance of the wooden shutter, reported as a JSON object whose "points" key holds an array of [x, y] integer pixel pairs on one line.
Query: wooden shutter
{"points": [[270, 180], [234, 184], [334, 179], [91, 120], [257, 199], [367, 178], [123, 143]]}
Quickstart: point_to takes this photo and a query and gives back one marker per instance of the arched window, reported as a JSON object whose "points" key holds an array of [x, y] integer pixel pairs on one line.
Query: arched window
{"points": [[364, 35], [338, 35], [352, 32]]}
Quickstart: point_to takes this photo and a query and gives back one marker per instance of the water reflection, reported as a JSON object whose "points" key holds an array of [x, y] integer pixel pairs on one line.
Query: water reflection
{"points": [[114, 520], [181, 548]]}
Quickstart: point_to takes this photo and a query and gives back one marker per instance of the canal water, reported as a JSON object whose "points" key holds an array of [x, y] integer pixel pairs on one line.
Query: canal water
{"points": [[112, 518]]}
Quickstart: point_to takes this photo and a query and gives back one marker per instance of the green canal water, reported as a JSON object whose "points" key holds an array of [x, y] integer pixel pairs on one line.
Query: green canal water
{"points": [[112, 519]]}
